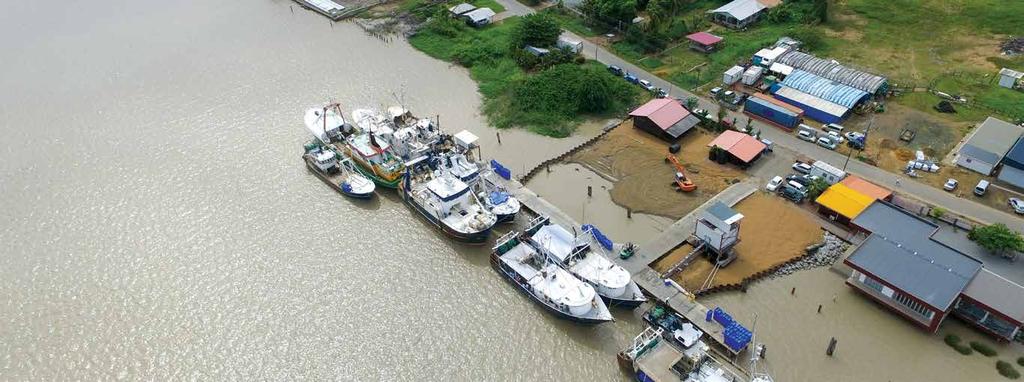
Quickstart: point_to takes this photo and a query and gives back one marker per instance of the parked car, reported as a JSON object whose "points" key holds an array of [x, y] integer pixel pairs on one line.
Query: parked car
{"points": [[715, 91], [792, 194], [701, 113], [615, 70], [769, 146], [833, 128], [797, 186], [827, 143], [854, 135], [773, 184], [728, 95], [802, 167], [838, 139], [950, 184], [799, 179], [646, 85], [805, 135], [660, 93], [631, 78], [981, 188], [739, 99], [1016, 204]]}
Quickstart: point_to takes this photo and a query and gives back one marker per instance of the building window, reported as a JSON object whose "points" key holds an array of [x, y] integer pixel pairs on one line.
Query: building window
{"points": [[873, 284], [914, 306]]}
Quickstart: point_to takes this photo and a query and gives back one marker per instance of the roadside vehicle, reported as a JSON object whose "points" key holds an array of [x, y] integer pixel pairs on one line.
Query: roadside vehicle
{"points": [[950, 184], [1017, 205], [646, 85], [630, 78], [615, 70], [981, 188], [773, 184], [835, 137], [831, 127], [769, 146], [827, 143], [802, 167], [792, 194], [805, 135]]}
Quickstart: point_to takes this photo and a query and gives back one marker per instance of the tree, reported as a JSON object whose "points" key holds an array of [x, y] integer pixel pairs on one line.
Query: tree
{"points": [[816, 187], [538, 29], [997, 238], [610, 11], [691, 103]]}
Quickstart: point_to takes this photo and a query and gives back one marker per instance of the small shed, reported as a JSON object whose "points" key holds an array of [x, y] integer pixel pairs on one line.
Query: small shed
{"points": [[732, 75], [987, 146], [1008, 78], [479, 17], [461, 9], [664, 117], [718, 228], [743, 148], [703, 41]]}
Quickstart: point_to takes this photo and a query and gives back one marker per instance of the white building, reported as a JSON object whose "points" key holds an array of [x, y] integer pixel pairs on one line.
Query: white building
{"points": [[1009, 77], [719, 228], [987, 145]]}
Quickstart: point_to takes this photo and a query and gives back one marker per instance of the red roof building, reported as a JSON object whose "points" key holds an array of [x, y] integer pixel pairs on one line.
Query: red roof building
{"points": [[744, 148], [664, 117], [703, 41]]}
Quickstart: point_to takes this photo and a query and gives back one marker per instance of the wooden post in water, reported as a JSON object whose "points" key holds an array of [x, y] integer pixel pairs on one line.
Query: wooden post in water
{"points": [[792, 291], [629, 213], [590, 191], [498, 134], [819, 308], [831, 347]]}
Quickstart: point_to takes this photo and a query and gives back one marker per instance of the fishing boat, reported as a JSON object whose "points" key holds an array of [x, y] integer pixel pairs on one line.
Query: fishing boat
{"points": [[406, 136], [337, 171], [575, 254], [662, 354], [517, 259], [446, 202], [327, 124], [461, 164]]}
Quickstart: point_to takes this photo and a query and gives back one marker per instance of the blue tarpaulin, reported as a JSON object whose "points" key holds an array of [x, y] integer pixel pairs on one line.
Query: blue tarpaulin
{"points": [[497, 197], [501, 170], [601, 238]]}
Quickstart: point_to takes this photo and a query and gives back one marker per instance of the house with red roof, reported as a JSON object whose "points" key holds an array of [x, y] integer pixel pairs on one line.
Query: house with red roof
{"points": [[703, 41], [665, 118], [743, 149]]}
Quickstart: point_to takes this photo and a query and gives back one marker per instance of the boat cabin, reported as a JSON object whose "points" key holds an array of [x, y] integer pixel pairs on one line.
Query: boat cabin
{"points": [[325, 160]]}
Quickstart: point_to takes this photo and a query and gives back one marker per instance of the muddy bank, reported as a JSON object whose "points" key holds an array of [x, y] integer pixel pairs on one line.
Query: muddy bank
{"points": [[643, 182]]}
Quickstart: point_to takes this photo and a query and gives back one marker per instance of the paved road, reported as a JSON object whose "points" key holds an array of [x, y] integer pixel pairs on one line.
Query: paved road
{"points": [[907, 186]]}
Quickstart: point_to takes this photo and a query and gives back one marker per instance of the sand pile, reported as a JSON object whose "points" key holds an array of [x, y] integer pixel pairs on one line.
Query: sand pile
{"points": [[635, 161]]}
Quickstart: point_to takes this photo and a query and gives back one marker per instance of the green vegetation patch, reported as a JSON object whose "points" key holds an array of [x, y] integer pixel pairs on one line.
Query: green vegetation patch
{"points": [[1007, 370], [651, 63], [983, 348], [954, 342], [549, 100], [1020, 361]]}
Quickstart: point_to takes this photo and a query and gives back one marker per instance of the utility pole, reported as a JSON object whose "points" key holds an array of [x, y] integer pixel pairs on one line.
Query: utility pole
{"points": [[849, 154]]}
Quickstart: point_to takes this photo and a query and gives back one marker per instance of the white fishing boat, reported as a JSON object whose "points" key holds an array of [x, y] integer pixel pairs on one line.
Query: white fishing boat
{"points": [[460, 162], [327, 124], [575, 253], [658, 356], [447, 203], [534, 274]]}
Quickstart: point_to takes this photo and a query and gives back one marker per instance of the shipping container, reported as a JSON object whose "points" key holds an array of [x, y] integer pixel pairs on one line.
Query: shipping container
{"points": [[829, 173], [732, 75], [752, 74], [771, 112]]}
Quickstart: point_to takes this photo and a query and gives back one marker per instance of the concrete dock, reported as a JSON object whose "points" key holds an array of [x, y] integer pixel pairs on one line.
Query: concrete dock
{"points": [[638, 265]]}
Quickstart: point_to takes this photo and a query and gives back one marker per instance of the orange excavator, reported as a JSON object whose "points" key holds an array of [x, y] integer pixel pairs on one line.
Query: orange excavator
{"points": [[684, 184]]}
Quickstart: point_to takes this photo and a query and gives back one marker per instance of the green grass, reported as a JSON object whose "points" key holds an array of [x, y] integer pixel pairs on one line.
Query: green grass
{"points": [[492, 4], [651, 63], [571, 22], [485, 53]]}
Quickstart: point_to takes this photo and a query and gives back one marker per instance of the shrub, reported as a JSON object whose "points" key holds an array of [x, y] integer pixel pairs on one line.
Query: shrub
{"points": [[1007, 370], [963, 349], [984, 349], [538, 29], [951, 339], [1020, 361], [938, 212]]}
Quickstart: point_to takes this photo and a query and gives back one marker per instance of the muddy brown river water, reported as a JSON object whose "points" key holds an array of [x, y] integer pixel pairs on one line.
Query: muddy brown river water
{"points": [[159, 224]]}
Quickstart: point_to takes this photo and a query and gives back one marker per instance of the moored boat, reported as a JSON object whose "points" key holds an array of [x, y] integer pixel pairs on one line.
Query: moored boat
{"points": [[517, 259], [447, 203], [337, 171], [576, 255]]}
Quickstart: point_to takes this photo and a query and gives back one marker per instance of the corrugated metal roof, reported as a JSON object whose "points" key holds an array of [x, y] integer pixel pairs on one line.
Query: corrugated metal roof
{"points": [[1015, 157], [780, 104], [742, 146], [682, 126], [867, 188], [844, 200], [480, 14], [782, 69], [704, 38], [993, 136], [664, 112], [1011, 73], [722, 212], [461, 8], [824, 88], [901, 252], [740, 9], [1005, 296], [832, 70], [812, 101]]}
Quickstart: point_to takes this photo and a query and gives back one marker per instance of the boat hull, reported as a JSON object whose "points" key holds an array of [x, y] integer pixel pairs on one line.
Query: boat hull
{"points": [[326, 179], [622, 303], [368, 171], [469, 238], [506, 218], [513, 278]]}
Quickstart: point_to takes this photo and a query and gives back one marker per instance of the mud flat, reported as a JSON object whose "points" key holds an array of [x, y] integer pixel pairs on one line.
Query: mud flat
{"points": [[634, 162], [773, 232]]}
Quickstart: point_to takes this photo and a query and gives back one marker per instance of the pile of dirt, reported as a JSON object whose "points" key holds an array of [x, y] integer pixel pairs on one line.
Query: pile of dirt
{"points": [[772, 232], [635, 161]]}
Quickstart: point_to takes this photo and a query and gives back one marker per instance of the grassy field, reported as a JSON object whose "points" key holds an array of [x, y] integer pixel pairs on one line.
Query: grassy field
{"points": [[915, 43]]}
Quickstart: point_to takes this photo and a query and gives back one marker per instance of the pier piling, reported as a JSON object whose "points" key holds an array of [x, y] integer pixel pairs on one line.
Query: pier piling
{"points": [[590, 191], [831, 347], [497, 134], [819, 308], [629, 213], [792, 292]]}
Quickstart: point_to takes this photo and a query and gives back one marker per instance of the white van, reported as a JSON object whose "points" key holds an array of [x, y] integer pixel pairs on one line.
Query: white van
{"points": [[833, 127], [981, 188]]}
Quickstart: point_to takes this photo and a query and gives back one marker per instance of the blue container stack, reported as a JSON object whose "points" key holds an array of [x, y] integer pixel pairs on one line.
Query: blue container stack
{"points": [[737, 337], [722, 317], [501, 170]]}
